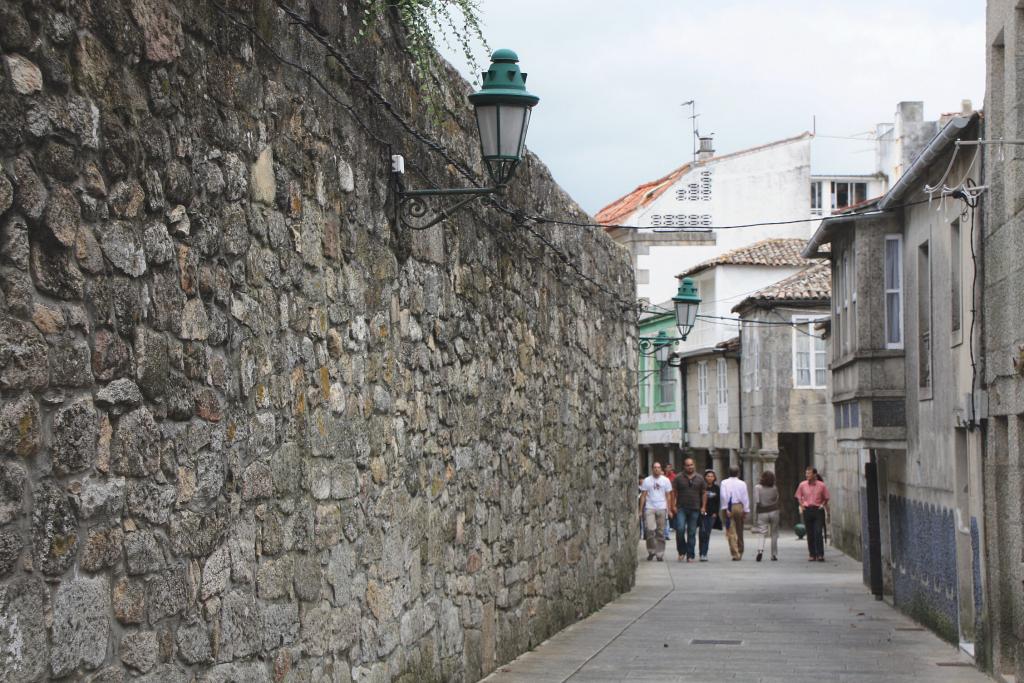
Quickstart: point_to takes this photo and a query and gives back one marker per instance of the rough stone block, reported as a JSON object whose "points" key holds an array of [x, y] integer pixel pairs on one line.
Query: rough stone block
{"points": [[119, 394], [151, 501], [100, 496], [140, 650], [25, 76], [167, 595], [80, 625], [133, 448], [111, 356], [241, 627], [11, 544], [152, 361], [129, 600], [102, 549], [280, 624], [63, 216], [55, 272], [70, 362], [76, 431], [262, 181], [19, 427], [216, 572], [143, 553], [54, 529], [194, 644], [12, 490], [23, 356], [24, 650]]}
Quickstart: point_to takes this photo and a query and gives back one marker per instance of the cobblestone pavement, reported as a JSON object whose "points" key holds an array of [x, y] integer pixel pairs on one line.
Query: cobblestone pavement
{"points": [[795, 621]]}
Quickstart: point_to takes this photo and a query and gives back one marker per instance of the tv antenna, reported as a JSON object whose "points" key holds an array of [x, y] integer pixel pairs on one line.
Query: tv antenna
{"points": [[693, 119]]}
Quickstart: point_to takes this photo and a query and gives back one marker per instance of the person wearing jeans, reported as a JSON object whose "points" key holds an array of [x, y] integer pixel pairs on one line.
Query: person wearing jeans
{"points": [[813, 497], [690, 500], [709, 519]]}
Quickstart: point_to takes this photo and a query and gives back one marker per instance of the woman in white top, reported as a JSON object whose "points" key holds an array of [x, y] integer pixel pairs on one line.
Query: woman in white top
{"points": [[766, 513]]}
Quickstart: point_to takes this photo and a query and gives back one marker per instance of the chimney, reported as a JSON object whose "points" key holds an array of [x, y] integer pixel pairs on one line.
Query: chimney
{"points": [[707, 149], [966, 108]]}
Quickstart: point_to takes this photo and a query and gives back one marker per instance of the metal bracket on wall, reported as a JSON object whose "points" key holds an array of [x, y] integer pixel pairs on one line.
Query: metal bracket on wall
{"points": [[414, 210]]}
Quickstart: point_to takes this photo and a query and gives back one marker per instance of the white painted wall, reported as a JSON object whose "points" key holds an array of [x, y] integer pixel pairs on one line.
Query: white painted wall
{"points": [[766, 184], [721, 288]]}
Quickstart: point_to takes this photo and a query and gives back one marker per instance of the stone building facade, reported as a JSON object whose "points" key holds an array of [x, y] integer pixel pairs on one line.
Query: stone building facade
{"points": [[1003, 331], [905, 341], [250, 427], [784, 372]]}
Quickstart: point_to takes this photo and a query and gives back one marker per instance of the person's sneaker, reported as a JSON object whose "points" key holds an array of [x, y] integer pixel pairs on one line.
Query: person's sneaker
{"points": [[650, 556], [703, 558], [681, 558], [760, 554], [774, 559], [660, 558]]}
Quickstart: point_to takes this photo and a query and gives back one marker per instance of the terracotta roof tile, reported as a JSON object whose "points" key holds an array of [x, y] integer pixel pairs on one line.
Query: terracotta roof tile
{"points": [[641, 196], [812, 284], [770, 252]]}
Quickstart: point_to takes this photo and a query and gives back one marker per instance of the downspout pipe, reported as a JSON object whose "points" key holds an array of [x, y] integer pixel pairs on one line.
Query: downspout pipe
{"points": [[739, 401], [684, 437]]}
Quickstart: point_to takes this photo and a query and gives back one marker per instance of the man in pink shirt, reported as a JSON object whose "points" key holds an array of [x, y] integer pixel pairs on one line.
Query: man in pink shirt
{"points": [[812, 495]]}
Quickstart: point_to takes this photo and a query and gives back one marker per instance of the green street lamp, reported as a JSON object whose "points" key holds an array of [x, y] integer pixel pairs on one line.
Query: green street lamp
{"points": [[503, 107], [686, 301], [662, 347], [685, 304]]}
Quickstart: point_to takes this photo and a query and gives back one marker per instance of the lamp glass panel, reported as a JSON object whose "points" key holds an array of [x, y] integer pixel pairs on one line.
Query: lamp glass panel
{"points": [[522, 137], [662, 353], [686, 316], [512, 119], [487, 122]]}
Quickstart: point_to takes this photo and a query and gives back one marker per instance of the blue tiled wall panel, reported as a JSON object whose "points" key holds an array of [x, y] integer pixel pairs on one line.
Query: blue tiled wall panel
{"points": [[923, 538]]}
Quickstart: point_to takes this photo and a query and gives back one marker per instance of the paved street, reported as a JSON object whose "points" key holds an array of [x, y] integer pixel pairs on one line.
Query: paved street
{"points": [[795, 621]]}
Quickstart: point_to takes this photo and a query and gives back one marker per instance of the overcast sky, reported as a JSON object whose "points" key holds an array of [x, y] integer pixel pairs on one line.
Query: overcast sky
{"points": [[611, 75]]}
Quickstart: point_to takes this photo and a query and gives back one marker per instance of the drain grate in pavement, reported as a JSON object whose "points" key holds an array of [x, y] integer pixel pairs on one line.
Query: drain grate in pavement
{"points": [[716, 642], [954, 664]]}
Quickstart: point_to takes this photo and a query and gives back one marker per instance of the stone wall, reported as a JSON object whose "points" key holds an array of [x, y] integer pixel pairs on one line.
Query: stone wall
{"points": [[1002, 324], [250, 427]]}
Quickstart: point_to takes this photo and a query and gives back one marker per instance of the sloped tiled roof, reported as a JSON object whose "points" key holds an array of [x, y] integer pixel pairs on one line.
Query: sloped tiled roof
{"points": [[811, 285], [646, 193], [641, 196], [770, 252]]}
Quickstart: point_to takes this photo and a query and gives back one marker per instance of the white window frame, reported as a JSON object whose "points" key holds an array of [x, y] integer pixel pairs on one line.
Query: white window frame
{"points": [[723, 396], [899, 290], [702, 396], [803, 333]]}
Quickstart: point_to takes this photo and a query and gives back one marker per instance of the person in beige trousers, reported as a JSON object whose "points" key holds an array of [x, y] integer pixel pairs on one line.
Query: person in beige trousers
{"points": [[735, 506], [766, 513]]}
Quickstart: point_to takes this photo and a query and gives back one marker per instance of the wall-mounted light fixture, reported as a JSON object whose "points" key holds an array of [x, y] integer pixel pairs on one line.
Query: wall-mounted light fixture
{"points": [[503, 108], [685, 304]]}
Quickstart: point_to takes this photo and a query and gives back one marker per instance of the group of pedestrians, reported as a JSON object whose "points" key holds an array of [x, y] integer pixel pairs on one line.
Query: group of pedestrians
{"points": [[696, 504]]}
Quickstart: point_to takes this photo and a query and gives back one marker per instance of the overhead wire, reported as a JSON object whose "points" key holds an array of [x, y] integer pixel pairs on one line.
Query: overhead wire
{"points": [[520, 218]]}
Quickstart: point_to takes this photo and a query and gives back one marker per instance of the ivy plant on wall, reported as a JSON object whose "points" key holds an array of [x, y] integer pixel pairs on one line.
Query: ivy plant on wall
{"points": [[457, 22]]}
